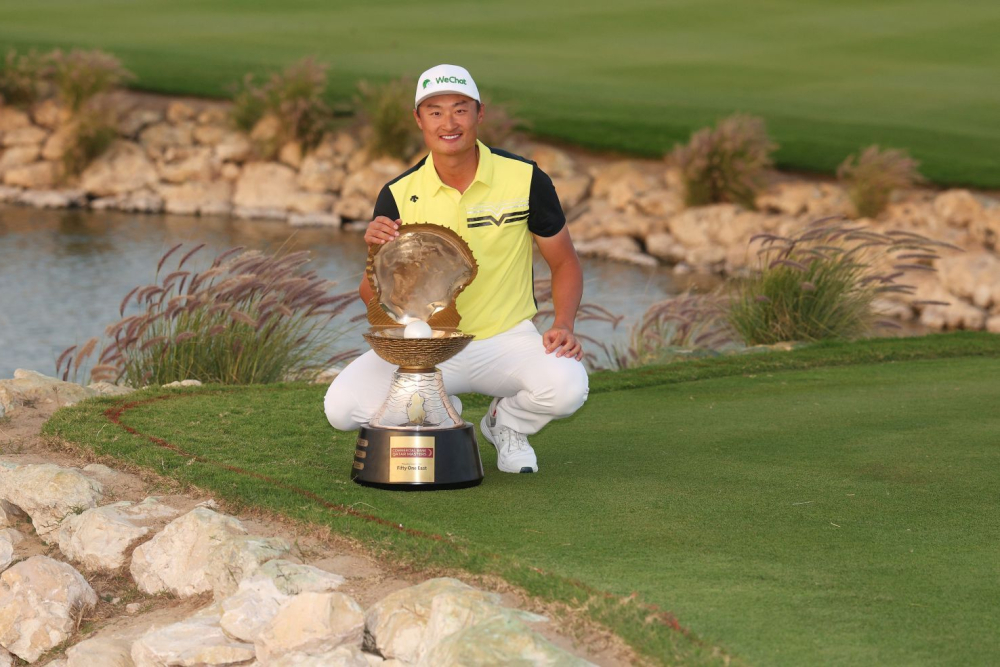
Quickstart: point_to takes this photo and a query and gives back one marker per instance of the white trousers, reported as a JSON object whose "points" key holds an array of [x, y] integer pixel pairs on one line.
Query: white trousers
{"points": [[537, 387]]}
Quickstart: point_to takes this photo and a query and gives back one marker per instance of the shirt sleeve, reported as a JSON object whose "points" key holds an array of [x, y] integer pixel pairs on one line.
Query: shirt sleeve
{"points": [[545, 216], [386, 204]]}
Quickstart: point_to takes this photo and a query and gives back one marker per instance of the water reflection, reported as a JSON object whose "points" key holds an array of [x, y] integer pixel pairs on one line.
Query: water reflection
{"points": [[64, 273]]}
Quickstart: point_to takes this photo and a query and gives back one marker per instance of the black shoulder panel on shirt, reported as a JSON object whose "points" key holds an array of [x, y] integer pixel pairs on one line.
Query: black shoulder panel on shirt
{"points": [[409, 171], [502, 153], [546, 217], [386, 203]]}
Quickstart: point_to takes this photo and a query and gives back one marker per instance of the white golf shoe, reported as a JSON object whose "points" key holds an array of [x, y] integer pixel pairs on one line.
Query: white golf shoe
{"points": [[514, 454]]}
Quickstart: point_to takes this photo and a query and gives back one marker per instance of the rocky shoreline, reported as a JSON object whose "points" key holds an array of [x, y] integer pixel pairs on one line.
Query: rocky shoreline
{"points": [[182, 156]]}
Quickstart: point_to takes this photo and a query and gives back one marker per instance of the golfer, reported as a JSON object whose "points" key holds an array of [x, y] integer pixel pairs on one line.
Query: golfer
{"points": [[498, 203]]}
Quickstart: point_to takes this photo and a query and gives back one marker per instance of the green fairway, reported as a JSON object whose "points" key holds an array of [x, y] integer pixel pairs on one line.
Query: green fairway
{"points": [[796, 508], [636, 75]]}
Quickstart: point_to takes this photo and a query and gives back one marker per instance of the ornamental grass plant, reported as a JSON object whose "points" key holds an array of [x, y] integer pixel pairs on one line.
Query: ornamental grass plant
{"points": [[821, 283], [871, 177], [726, 163], [23, 78], [78, 76], [94, 130], [248, 318], [387, 111]]}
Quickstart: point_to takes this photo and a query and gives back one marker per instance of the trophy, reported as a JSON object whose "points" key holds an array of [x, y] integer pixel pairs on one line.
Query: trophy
{"points": [[417, 440]]}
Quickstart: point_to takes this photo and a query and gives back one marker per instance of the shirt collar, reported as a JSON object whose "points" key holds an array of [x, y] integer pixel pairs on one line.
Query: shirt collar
{"points": [[484, 171]]}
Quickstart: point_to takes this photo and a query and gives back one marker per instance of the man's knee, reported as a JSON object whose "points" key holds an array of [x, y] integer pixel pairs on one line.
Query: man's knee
{"points": [[567, 392]]}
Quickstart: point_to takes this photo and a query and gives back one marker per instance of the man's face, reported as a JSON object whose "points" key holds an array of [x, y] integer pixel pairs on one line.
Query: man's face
{"points": [[450, 123]]}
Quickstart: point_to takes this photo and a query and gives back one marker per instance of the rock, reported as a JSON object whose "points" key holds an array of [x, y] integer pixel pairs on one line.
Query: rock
{"points": [[267, 131], [49, 114], [40, 600], [240, 557], [138, 201], [571, 190], [317, 175], [312, 623], [47, 493], [137, 120], [10, 514], [12, 535], [893, 309], [133, 608], [664, 246], [184, 383], [6, 659], [355, 208], [6, 551], [179, 111], [53, 198], [30, 387], [993, 324], [197, 641], [956, 315], [8, 194], [498, 641], [251, 608], [406, 624], [974, 276], [12, 119], [958, 208], [105, 388], [18, 156], [100, 538], [100, 651], [59, 142], [368, 181], [199, 165], [554, 162], [214, 115], [306, 203], [620, 248], [804, 198], [234, 147], [209, 135], [620, 182], [339, 148], [342, 656], [124, 167], [291, 154], [159, 138], [25, 136], [265, 185], [331, 220], [659, 203], [35, 175], [294, 578], [198, 198], [230, 172], [601, 219]]}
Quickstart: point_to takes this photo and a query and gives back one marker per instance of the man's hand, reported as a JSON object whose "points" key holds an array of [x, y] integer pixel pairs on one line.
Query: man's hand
{"points": [[562, 339], [382, 230]]}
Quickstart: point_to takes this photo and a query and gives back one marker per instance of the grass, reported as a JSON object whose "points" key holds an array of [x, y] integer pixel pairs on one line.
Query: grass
{"points": [[638, 76], [832, 504]]}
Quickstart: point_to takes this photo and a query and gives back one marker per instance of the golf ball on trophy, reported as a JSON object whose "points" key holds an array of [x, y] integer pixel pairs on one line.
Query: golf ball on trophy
{"points": [[417, 329]]}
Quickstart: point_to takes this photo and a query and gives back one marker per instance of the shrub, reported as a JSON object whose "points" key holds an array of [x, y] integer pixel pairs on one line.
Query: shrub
{"points": [[249, 318], [78, 76], [871, 178], [94, 130], [500, 126], [821, 283], [294, 96], [387, 110], [22, 78], [673, 327], [725, 164]]}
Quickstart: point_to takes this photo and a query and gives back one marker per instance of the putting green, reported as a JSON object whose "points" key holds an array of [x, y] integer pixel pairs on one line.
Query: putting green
{"points": [[842, 515], [634, 75]]}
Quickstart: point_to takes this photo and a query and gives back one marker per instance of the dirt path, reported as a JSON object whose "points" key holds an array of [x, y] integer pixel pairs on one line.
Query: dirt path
{"points": [[124, 610]]}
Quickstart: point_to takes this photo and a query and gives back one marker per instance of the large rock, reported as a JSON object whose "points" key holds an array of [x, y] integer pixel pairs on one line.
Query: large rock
{"points": [[619, 248], [100, 538], [600, 219], [312, 623], [554, 162], [368, 181], [406, 624], [70, 198], [25, 136], [339, 147], [160, 139], [198, 164], [209, 135], [9, 514], [972, 276], [6, 550], [958, 208], [12, 119], [6, 659], [100, 652], [50, 114], [197, 641], [664, 246], [318, 175], [198, 198], [40, 601], [30, 387], [265, 185], [571, 190], [18, 156], [124, 167], [137, 201], [47, 493], [136, 120], [498, 641], [35, 175], [804, 198], [234, 147], [342, 656], [201, 551]]}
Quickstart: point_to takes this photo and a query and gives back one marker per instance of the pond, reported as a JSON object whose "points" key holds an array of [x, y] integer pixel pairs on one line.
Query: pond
{"points": [[64, 273]]}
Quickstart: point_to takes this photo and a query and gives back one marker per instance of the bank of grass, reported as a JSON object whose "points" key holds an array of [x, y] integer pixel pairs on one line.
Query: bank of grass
{"points": [[829, 78], [814, 506]]}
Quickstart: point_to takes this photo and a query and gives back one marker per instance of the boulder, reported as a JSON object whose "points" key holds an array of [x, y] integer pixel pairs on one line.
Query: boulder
{"points": [[179, 111], [6, 659], [124, 167], [198, 165], [47, 493], [958, 208], [804, 198], [233, 147], [267, 131], [50, 114], [306, 203], [198, 641], [338, 148], [368, 181], [159, 138], [12, 119], [209, 135], [136, 120], [342, 656], [571, 190], [18, 156], [318, 175], [10, 514], [100, 538], [30, 387], [291, 154], [36, 175], [498, 641], [230, 171], [58, 143], [138, 201], [623, 178], [265, 185], [354, 207], [331, 220], [665, 247], [40, 601], [993, 324], [973, 276], [312, 623], [100, 652], [6, 549], [72, 198], [406, 624], [8, 194], [25, 136], [620, 248], [659, 203], [554, 162], [105, 388], [198, 198], [239, 557]]}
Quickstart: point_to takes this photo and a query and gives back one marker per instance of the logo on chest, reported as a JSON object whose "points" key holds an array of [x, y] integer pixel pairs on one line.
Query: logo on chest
{"points": [[498, 213]]}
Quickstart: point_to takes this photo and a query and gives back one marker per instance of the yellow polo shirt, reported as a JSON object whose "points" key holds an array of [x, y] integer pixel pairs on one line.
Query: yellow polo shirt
{"points": [[509, 200]]}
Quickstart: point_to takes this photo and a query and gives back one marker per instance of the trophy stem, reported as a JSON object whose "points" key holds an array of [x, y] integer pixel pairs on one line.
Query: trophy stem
{"points": [[417, 400]]}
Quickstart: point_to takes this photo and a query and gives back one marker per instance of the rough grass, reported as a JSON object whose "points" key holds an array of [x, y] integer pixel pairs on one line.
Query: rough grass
{"points": [[815, 506], [829, 78]]}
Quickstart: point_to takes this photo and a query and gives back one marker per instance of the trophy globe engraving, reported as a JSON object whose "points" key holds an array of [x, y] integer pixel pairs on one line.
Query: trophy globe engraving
{"points": [[417, 439]]}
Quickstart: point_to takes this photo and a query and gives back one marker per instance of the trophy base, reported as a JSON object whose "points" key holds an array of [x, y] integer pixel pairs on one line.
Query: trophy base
{"points": [[412, 460]]}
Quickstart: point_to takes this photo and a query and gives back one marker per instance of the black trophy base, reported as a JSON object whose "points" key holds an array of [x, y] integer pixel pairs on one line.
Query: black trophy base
{"points": [[425, 460]]}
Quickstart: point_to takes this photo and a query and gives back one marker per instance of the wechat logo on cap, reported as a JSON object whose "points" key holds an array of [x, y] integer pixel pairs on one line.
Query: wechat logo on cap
{"points": [[426, 81]]}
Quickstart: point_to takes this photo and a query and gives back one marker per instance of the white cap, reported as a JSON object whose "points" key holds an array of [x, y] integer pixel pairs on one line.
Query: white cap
{"points": [[445, 79]]}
